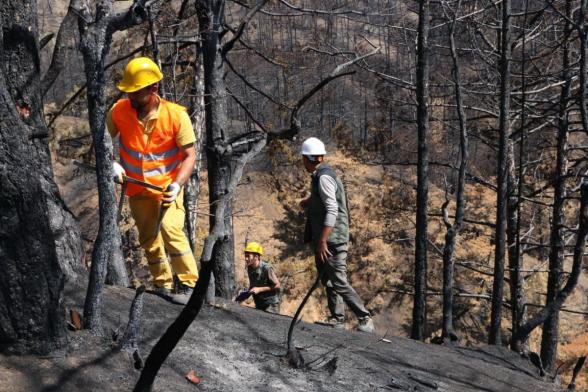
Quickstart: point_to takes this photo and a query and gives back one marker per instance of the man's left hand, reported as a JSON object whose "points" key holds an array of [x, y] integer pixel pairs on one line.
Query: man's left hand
{"points": [[170, 194], [254, 290], [322, 250]]}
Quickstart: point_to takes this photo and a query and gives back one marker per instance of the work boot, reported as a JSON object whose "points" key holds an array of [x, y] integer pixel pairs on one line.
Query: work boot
{"points": [[183, 295], [366, 324], [338, 323], [163, 292]]}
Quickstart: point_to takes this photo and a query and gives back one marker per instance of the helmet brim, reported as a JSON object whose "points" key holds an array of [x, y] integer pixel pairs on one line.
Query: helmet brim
{"points": [[131, 88], [128, 89]]}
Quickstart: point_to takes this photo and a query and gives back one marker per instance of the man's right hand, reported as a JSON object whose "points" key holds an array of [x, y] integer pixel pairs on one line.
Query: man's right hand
{"points": [[119, 172], [322, 251]]}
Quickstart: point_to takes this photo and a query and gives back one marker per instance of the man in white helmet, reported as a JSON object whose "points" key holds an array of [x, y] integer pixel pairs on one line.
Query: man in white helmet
{"points": [[327, 228]]}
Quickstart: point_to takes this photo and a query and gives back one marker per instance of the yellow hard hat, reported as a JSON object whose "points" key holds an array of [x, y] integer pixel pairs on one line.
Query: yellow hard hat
{"points": [[139, 73], [254, 247]]}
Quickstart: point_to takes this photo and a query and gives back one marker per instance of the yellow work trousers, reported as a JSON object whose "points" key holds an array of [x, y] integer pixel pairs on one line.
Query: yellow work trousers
{"points": [[170, 238]]}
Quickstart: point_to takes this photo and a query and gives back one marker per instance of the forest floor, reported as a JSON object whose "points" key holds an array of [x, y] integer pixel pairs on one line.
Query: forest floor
{"points": [[236, 348]]}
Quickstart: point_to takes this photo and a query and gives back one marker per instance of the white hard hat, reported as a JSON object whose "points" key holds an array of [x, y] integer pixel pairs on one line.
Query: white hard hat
{"points": [[312, 147]]}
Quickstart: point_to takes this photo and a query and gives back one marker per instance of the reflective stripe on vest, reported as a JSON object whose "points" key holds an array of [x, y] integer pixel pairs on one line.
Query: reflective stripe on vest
{"points": [[150, 156], [154, 158], [129, 168]]}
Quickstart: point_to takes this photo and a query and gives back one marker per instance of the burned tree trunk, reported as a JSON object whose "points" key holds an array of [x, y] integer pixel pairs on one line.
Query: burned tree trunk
{"points": [[419, 311], [58, 59], [448, 331], [192, 187], [495, 336], [222, 159], [550, 331], [220, 166], [95, 43], [131, 334], [556, 253], [39, 240], [95, 40], [513, 201]]}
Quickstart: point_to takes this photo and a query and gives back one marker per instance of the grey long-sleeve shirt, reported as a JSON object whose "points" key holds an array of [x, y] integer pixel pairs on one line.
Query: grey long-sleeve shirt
{"points": [[328, 193]]}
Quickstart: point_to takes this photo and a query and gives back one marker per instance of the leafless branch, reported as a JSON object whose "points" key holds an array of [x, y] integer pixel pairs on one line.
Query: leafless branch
{"points": [[246, 109], [72, 99], [336, 73], [237, 35], [251, 86], [59, 51]]}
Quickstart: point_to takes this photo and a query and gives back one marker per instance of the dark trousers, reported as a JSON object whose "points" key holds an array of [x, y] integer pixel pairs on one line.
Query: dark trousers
{"points": [[338, 289], [271, 308]]}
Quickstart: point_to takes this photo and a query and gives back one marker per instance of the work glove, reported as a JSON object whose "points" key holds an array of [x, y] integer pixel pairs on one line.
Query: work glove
{"points": [[243, 295], [119, 172], [170, 194]]}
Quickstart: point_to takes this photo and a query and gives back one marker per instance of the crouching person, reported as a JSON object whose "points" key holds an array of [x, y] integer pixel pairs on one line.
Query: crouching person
{"points": [[263, 282]]}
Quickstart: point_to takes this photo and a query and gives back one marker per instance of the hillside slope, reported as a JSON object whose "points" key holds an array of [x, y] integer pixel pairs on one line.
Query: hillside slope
{"points": [[235, 348]]}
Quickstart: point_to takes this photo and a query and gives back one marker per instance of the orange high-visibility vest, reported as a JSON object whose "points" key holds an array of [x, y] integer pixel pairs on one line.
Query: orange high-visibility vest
{"points": [[156, 160]]}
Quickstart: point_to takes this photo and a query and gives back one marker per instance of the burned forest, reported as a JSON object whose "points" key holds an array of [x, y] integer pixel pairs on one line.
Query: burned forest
{"points": [[164, 166]]}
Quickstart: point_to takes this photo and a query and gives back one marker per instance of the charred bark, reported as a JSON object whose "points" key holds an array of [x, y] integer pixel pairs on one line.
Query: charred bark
{"points": [[131, 334], [39, 240], [495, 336], [192, 187], [94, 44], [448, 334], [58, 59], [419, 311], [513, 201], [96, 31], [550, 330], [211, 20]]}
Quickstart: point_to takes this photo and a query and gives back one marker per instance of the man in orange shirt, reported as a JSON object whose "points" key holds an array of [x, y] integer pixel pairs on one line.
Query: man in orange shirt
{"points": [[156, 146]]}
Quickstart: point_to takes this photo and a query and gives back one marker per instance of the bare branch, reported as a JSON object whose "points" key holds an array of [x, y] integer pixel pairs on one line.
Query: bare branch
{"points": [[251, 86], [247, 111], [336, 73], [59, 53], [136, 14], [45, 40], [263, 56], [72, 99], [236, 36], [323, 12]]}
